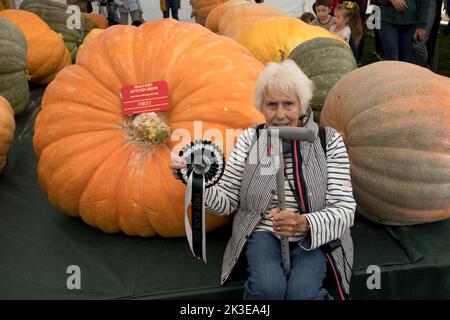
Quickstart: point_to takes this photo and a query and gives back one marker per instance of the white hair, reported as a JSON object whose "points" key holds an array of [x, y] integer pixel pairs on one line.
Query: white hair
{"points": [[285, 77]]}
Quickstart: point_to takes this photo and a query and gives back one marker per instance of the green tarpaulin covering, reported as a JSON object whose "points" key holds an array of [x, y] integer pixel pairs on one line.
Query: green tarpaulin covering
{"points": [[38, 244]]}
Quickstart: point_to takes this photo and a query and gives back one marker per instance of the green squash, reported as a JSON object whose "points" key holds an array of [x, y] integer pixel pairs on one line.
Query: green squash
{"points": [[324, 61], [13, 66], [56, 16]]}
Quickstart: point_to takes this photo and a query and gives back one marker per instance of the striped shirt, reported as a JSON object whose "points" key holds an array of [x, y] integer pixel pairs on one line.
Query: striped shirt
{"points": [[266, 224], [327, 25], [223, 198]]}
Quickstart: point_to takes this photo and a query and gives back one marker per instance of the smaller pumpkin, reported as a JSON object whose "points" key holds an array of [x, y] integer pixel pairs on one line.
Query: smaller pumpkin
{"points": [[100, 21], [201, 9], [56, 16], [7, 127], [324, 61], [13, 66], [47, 53]]}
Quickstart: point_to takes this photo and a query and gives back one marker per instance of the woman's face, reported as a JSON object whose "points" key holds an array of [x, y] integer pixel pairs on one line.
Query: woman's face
{"points": [[281, 109]]}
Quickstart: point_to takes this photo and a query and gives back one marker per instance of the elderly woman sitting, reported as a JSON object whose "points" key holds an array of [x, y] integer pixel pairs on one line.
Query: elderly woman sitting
{"points": [[318, 194]]}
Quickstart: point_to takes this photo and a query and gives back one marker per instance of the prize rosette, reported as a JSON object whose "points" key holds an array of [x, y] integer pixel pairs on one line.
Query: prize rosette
{"points": [[204, 168]]}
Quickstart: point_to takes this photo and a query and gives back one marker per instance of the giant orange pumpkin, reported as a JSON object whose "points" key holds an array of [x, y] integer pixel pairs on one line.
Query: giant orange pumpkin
{"points": [[395, 119], [7, 127], [112, 170], [47, 53]]}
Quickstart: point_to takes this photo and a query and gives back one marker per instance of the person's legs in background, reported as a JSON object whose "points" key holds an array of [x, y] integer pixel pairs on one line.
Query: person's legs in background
{"points": [[389, 38], [378, 47], [266, 278], [175, 4], [136, 16], [123, 16], [165, 8], [362, 13], [420, 50], [405, 43]]}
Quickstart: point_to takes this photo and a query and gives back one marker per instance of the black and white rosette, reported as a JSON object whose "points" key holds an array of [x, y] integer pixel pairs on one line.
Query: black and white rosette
{"points": [[204, 168]]}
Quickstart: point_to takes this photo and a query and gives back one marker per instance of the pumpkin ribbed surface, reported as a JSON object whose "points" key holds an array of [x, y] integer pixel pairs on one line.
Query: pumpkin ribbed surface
{"points": [[324, 61], [216, 14], [395, 119], [13, 66], [113, 170], [7, 127]]}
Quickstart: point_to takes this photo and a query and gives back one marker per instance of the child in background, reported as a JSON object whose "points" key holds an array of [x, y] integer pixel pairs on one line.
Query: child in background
{"points": [[322, 9], [307, 17], [347, 23]]}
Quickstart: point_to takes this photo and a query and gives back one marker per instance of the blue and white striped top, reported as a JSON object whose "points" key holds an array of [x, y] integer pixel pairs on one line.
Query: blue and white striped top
{"points": [[223, 198]]}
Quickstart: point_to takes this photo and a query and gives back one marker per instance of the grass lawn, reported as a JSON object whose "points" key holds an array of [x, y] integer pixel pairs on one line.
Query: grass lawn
{"points": [[443, 52]]}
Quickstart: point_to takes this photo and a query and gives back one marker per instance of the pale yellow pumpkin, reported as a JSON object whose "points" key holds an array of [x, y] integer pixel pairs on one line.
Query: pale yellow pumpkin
{"points": [[273, 39]]}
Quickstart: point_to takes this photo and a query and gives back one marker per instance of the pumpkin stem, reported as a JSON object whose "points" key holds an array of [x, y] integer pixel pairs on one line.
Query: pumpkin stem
{"points": [[282, 55], [149, 127]]}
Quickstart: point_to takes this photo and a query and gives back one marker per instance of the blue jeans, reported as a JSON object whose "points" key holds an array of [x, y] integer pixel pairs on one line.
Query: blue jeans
{"points": [[396, 41], [171, 5], [266, 275]]}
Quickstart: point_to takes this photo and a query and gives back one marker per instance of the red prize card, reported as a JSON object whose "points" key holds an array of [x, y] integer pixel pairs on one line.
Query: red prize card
{"points": [[145, 97]]}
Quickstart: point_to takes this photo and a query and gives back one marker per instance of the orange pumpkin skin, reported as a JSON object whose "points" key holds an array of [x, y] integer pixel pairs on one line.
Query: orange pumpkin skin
{"points": [[91, 162], [201, 8], [98, 19], [215, 15], [237, 18], [395, 119], [7, 127], [47, 54]]}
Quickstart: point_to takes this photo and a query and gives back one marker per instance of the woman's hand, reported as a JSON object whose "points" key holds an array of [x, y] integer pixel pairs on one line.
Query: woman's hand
{"points": [[400, 5], [420, 34], [177, 163], [287, 223]]}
